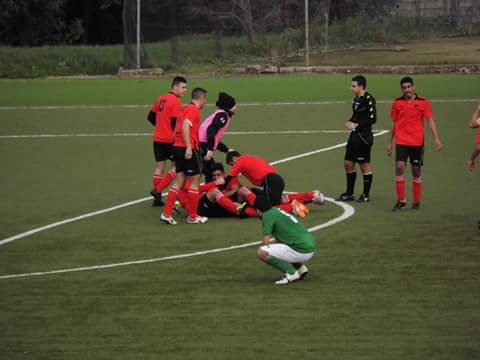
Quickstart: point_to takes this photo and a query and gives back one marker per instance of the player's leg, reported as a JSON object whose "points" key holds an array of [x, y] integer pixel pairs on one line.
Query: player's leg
{"points": [[351, 175], [416, 160], [401, 156], [172, 197], [367, 181], [193, 170], [314, 196], [273, 188], [160, 163], [217, 197]]}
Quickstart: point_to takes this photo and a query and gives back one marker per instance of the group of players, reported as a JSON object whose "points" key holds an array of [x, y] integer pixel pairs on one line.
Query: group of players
{"points": [[181, 138]]}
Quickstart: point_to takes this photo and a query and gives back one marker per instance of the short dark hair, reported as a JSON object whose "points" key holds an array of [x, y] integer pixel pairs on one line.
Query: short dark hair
{"points": [[361, 80], [218, 166], [178, 80], [198, 92], [231, 155], [405, 80]]}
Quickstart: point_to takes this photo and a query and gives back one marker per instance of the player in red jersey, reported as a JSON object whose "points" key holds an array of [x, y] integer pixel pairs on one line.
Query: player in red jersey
{"points": [[475, 124], [408, 114], [163, 116], [188, 161]]}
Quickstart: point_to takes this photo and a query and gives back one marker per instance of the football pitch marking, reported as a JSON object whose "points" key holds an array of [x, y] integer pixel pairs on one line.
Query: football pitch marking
{"points": [[348, 211], [134, 202], [286, 103], [266, 132]]}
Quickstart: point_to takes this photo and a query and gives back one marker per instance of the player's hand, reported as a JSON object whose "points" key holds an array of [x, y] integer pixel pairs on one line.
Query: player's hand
{"points": [[244, 191], [350, 125], [188, 153], [438, 145], [389, 150], [209, 155], [266, 240], [220, 181], [471, 165]]}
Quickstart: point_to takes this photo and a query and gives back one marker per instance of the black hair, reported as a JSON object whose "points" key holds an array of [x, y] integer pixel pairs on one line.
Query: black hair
{"points": [[218, 166], [198, 92], [261, 203], [225, 101], [178, 80], [231, 155], [361, 80], [405, 80]]}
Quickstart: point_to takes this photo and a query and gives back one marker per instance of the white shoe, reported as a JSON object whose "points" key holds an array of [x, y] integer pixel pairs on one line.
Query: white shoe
{"points": [[302, 271], [168, 219], [318, 197], [198, 220], [288, 279]]}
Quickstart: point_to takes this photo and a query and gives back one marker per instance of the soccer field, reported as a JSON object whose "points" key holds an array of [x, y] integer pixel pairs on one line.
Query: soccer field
{"points": [[382, 285]]}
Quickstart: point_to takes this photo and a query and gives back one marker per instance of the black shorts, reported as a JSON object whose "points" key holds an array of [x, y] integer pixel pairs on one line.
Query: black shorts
{"points": [[359, 147], [190, 167], [162, 151], [211, 210], [273, 186], [414, 153]]}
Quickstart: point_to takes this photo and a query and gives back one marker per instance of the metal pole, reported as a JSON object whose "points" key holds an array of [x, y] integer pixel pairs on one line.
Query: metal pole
{"points": [[307, 40], [138, 33]]}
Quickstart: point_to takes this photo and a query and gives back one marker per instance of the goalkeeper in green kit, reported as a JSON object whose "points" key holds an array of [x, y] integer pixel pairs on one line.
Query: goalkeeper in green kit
{"points": [[292, 246]]}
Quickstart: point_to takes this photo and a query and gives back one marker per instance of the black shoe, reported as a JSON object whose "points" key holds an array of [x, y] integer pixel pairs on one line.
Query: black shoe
{"points": [[363, 198], [399, 206], [157, 198], [416, 206], [345, 197]]}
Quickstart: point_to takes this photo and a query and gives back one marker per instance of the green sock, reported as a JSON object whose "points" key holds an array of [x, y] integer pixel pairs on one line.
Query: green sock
{"points": [[281, 265]]}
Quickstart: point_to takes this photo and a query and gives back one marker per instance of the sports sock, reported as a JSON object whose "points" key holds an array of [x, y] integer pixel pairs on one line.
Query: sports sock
{"points": [[417, 190], [251, 198], [286, 207], [183, 198], [400, 185], [367, 183], [193, 197], [297, 265], [226, 203], [351, 177], [281, 265], [171, 198], [163, 183], [156, 180], [251, 212], [304, 197]]}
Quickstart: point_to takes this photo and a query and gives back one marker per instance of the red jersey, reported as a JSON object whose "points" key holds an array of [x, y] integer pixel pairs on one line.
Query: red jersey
{"points": [[167, 108], [254, 168], [408, 119], [190, 113]]}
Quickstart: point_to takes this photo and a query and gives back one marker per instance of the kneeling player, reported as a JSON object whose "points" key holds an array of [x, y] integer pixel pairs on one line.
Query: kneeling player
{"points": [[292, 247]]}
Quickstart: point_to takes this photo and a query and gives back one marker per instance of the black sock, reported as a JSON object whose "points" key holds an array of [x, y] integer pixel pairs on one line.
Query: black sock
{"points": [[297, 265], [351, 177], [367, 183]]}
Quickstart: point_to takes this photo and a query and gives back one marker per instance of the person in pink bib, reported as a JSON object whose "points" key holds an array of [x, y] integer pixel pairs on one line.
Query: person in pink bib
{"points": [[212, 130]]}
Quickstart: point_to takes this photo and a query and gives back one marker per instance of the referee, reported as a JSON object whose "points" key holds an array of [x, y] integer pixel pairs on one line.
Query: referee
{"points": [[360, 141]]}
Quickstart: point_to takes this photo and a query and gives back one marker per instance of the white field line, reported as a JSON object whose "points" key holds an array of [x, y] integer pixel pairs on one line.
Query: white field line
{"points": [[266, 132], [286, 103], [348, 211], [134, 202]]}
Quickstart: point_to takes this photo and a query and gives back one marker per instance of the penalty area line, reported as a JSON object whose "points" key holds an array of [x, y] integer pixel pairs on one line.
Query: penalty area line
{"points": [[348, 211]]}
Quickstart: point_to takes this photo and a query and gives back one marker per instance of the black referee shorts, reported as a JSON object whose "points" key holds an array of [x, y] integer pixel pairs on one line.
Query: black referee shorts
{"points": [[190, 167], [273, 186], [359, 147], [414, 153], [162, 151]]}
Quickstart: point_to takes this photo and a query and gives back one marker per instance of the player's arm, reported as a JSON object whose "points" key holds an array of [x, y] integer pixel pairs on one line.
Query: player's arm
{"points": [[223, 147], [433, 129], [391, 136], [218, 123], [473, 157], [187, 124], [371, 115], [475, 122], [266, 240], [152, 117]]}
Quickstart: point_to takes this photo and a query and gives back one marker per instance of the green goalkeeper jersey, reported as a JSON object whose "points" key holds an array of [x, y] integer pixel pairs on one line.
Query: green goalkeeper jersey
{"points": [[287, 229]]}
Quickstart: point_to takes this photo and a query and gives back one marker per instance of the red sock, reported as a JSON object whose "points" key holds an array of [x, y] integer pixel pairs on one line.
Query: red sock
{"points": [[305, 197], [193, 197], [400, 184], [183, 198], [171, 198], [249, 211], [251, 198], [226, 203], [417, 190], [157, 179], [163, 183], [286, 207]]}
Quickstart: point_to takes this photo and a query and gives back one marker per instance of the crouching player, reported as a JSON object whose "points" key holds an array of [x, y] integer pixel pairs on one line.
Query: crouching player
{"points": [[292, 246]]}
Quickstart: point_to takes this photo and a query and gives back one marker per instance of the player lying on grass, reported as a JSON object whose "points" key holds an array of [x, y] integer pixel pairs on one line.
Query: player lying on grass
{"points": [[475, 124], [218, 199], [292, 244], [212, 130], [260, 173]]}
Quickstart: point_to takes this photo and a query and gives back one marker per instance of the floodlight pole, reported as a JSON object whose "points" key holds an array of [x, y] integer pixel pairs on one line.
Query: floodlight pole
{"points": [[307, 39], [138, 33]]}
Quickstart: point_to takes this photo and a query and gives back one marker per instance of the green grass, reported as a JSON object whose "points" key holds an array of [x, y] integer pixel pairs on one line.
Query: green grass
{"points": [[382, 285]]}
